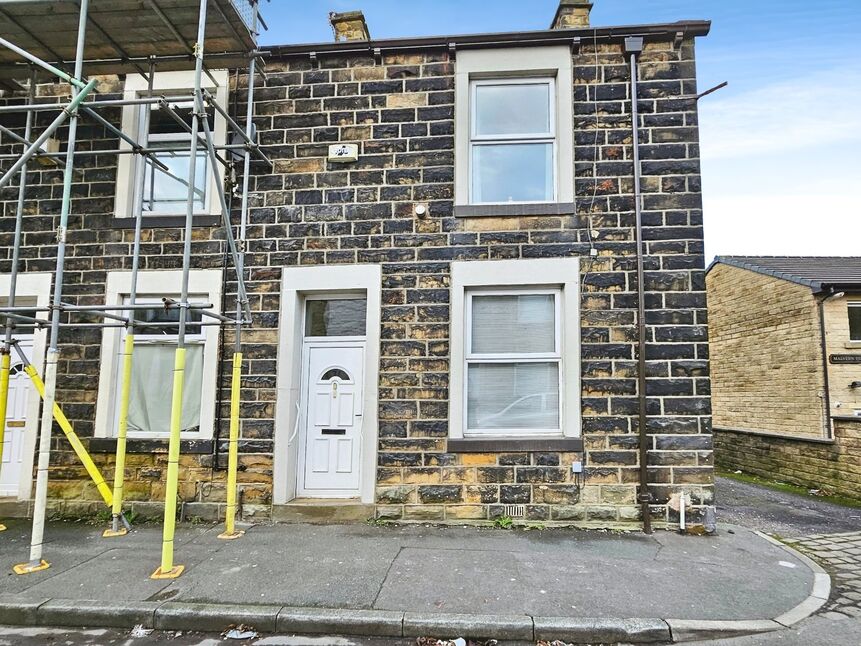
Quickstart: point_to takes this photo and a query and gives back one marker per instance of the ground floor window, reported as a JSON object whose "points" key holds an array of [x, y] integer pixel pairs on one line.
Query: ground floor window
{"points": [[513, 362], [515, 349], [152, 369], [155, 343]]}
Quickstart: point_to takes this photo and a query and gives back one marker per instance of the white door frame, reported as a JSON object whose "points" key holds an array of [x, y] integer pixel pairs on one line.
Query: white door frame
{"points": [[297, 284], [31, 286], [26, 340], [302, 437]]}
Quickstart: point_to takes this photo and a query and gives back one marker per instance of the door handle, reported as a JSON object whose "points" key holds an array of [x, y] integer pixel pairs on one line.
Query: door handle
{"points": [[334, 431]]}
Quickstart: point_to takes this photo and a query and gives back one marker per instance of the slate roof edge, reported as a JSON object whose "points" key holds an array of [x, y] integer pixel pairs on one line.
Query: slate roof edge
{"points": [[817, 286], [689, 28]]}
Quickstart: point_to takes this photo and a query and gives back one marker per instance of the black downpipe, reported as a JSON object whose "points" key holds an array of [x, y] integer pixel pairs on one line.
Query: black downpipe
{"points": [[826, 390], [633, 47], [222, 350]]}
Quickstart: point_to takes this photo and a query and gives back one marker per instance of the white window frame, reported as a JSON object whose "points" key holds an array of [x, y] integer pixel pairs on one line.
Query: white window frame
{"points": [[515, 65], [556, 356], [167, 84], [205, 282], [521, 276], [850, 305], [155, 339], [476, 140]]}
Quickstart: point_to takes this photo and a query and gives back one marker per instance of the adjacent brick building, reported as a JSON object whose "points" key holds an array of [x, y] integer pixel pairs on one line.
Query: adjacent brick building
{"points": [[463, 289], [786, 368]]}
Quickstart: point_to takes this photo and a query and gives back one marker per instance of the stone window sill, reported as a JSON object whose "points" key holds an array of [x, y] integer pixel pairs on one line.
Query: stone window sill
{"points": [[166, 221], [504, 210], [109, 445], [514, 445]]}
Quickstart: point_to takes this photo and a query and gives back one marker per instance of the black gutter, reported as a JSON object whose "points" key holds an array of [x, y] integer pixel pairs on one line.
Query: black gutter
{"points": [[684, 29]]}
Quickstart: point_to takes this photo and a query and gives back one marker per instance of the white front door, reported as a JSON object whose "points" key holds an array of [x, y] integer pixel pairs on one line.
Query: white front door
{"points": [[333, 377], [20, 389]]}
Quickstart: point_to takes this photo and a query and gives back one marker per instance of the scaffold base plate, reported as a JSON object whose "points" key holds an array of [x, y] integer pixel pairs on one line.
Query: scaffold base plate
{"points": [[170, 574], [110, 533], [29, 568]]}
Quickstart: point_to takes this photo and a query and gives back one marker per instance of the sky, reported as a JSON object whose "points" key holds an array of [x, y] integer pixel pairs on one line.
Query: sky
{"points": [[780, 145]]}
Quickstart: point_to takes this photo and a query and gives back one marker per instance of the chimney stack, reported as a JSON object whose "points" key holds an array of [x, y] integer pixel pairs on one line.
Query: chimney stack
{"points": [[349, 25], [572, 14]]}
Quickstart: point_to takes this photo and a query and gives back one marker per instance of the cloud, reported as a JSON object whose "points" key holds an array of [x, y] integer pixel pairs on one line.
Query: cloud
{"points": [[812, 110]]}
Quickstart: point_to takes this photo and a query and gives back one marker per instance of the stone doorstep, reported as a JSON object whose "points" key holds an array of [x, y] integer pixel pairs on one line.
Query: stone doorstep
{"points": [[322, 511]]}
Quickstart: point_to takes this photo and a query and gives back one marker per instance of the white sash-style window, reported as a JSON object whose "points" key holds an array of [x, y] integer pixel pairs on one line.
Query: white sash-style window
{"points": [[165, 193], [513, 141], [513, 362], [154, 353], [152, 369]]}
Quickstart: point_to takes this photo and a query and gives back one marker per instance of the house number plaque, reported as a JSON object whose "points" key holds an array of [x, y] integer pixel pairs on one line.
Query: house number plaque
{"points": [[844, 358]]}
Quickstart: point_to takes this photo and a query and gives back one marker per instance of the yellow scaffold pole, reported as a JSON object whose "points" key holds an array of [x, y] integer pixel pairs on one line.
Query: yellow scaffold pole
{"points": [[5, 362], [122, 434], [233, 452], [79, 449], [168, 570]]}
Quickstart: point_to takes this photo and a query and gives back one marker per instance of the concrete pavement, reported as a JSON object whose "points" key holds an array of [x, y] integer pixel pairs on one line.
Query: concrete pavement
{"points": [[409, 580]]}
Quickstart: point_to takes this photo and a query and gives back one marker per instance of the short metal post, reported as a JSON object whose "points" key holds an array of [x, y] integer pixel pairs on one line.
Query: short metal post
{"points": [[40, 503], [167, 569]]}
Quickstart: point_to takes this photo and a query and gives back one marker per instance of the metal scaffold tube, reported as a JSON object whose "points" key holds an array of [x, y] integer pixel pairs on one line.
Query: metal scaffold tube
{"points": [[70, 112], [36, 562], [6, 358], [129, 345], [64, 116], [230, 531], [168, 569]]}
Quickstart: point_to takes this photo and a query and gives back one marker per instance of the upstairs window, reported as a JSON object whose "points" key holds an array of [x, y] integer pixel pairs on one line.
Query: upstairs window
{"points": [[855, 321], [166, 193], [163, 193], [514, 132], [513, 141]]}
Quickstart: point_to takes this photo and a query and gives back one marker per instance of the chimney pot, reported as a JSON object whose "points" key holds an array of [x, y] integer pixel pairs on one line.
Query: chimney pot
{"points": [[572, 14], [349, 25]]}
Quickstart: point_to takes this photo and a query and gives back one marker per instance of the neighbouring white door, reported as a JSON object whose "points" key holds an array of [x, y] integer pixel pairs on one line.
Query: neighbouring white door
{"points": [[20, 389], [332, 397]]}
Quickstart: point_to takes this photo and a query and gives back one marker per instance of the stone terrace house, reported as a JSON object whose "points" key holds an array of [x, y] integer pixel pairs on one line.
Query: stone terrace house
{"points": [[786, 368], [459, 274]]}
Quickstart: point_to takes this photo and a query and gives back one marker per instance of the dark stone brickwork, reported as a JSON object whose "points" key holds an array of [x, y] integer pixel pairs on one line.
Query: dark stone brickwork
{"points": [[400, 111]]}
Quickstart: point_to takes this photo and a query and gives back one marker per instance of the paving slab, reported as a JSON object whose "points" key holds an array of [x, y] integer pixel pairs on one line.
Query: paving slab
{"points": [[331, 566], [585, 580]]}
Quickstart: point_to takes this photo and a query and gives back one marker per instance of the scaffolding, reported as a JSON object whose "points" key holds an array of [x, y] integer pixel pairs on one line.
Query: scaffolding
{"points": [[127, 37]]}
